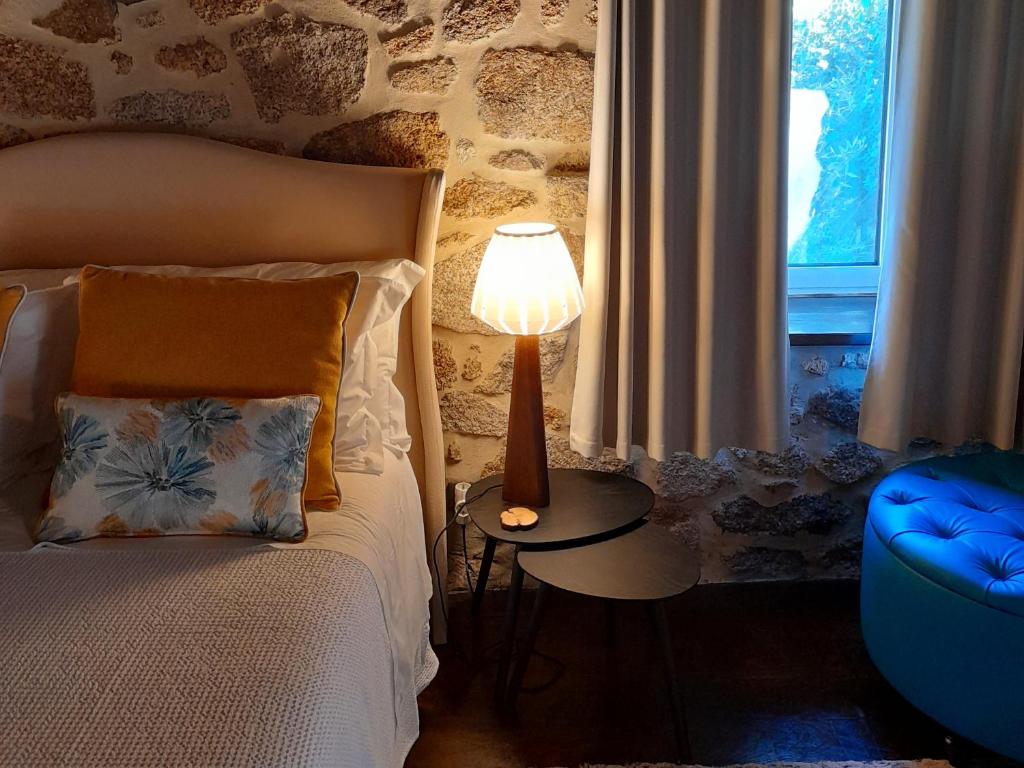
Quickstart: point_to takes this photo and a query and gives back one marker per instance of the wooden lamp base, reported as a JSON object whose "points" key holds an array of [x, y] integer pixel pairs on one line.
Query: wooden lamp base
{"points": [[526, 456]]}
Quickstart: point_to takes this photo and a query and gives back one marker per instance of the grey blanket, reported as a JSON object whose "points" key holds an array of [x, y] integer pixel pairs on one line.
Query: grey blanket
{"points": [[211, 658]]}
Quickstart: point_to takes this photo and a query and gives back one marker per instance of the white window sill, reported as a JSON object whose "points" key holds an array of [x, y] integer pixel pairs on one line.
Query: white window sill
{"points": [[831, 320], [859, 280]]}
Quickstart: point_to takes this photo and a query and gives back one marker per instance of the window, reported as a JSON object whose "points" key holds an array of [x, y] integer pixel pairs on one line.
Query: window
{"points": [[838, 98]]}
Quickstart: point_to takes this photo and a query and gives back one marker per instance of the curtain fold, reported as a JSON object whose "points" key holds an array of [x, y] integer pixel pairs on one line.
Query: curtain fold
{"points": [[683, 344], [946, 361]]}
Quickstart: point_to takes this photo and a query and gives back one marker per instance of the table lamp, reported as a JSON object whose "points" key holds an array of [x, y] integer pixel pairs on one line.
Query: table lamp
{"points": [[527, 286]]}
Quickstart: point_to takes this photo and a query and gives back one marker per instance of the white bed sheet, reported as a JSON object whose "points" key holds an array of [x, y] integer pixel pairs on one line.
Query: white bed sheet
{"points": [[380, 523]]}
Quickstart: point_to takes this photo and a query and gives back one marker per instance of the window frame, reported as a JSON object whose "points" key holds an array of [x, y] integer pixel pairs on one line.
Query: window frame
{"points": [[835, 280]]}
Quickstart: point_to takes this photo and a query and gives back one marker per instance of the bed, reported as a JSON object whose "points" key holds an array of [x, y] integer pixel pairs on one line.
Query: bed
{"points": [[172, 651]]}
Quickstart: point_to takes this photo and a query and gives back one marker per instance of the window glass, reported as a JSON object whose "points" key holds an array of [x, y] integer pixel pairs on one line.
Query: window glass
{"points": [[837, 113]]}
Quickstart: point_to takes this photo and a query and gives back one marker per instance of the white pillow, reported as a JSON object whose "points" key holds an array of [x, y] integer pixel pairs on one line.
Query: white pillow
{"points": [[367, 421], [38, 357], [35, 279], [387, 401]]}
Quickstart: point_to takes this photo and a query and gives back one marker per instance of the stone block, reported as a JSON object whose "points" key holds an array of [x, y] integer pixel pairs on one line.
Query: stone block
{"points": [[454, 279], [38, 81], [172, 108], [854, 360], [472, 369], [816, 365], [552, 355], [471, 414], [453, 452], [552, 12], [791, 462], [684, 476], [399, 139], [294, 64], [84, 21], [432, 76], [122, 62], [149, 20], [808, 513], [767, 563], [417, 39], [516, 160], [796, 410], [445, 367], [561, 456], [477, 198], [567, 196], [849, 463], [577, 161], [536, 93], [554, 417], [390, 11], [200, 57], [215, 11], [465, 150], [466, 21], [837, 405], [11, 135]]}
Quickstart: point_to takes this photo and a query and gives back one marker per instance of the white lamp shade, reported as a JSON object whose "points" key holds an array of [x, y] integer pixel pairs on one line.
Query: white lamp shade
{"points": [[527, 283]]}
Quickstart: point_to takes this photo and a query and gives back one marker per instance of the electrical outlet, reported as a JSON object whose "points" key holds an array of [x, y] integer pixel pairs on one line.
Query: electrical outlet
{"points": [[461, 515]]}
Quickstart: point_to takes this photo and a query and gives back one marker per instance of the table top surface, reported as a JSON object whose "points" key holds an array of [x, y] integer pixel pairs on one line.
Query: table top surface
{"points": [[645, 563], [584, 504]]}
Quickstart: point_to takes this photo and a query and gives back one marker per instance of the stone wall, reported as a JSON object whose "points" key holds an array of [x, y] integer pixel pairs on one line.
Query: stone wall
{"points": [[749, 515], [497, 92]]}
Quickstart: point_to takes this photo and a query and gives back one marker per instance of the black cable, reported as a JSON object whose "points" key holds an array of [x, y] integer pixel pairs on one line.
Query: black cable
{"points": [[465, 560], [465, 549], [442, 589], [480, 495]]}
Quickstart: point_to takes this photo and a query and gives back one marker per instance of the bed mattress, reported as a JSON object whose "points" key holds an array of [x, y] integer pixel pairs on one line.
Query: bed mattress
{"points": [[197, 650]]}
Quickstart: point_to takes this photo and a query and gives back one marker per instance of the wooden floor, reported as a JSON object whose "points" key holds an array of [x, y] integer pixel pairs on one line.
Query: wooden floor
{"points": [[772, 672]]}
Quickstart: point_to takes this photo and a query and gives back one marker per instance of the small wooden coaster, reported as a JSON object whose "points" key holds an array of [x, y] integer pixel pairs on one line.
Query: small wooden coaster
{"points": [[518, 519]]}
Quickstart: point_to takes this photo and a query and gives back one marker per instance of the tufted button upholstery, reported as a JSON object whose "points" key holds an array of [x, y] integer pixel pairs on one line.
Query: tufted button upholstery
{"points": [[958, 521]]}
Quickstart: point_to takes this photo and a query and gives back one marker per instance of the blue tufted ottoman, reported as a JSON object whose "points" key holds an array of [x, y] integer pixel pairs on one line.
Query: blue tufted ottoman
{"points": [[942, 592]]}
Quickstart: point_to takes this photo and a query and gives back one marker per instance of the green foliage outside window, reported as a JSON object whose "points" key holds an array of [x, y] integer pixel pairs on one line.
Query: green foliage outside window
{"points": [[842, 52]]}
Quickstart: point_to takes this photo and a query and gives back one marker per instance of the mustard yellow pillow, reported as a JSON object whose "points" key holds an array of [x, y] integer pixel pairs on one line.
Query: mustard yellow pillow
{"points": [[158, 336], [10, 298]]}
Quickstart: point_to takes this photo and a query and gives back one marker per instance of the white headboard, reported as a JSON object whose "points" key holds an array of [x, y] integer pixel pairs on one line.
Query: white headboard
{"points": [[148, 198]]}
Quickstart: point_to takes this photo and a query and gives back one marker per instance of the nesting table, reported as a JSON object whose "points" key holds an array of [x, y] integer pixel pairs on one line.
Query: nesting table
{"points": [[594, 540]]}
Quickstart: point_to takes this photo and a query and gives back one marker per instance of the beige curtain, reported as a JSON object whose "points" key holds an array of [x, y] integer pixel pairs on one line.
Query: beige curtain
{"points": [[683, 341], [949, 328]]}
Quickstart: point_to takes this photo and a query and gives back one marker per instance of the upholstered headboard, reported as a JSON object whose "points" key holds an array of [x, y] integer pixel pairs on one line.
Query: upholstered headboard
{"points": [[146, 198]]}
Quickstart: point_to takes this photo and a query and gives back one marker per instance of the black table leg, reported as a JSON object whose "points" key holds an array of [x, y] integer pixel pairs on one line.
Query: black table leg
{"points": [[657, 610], [485, 571], [509, 630], [526, 650]]}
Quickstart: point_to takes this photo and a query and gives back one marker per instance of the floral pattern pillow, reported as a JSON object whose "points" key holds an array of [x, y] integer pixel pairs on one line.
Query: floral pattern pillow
{"points": [[205, 465]]}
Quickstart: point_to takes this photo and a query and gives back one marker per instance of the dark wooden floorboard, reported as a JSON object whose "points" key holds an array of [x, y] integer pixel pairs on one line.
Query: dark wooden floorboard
{"points": [[772, 672]]}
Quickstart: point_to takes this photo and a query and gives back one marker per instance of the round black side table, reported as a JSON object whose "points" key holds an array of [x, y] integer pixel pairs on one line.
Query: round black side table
{"points": [[584, 505], [645, 564]]}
